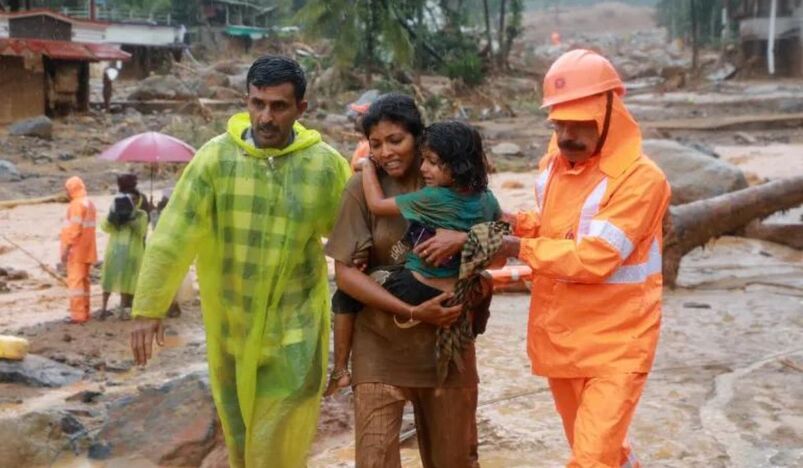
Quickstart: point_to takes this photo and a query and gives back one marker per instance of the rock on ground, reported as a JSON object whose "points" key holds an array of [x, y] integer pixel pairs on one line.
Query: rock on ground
{"points": [[40, 126], [36, 439], [174, 424], [693, 175], [162, 87], [8, 172], [506, 149], [38, 371]]}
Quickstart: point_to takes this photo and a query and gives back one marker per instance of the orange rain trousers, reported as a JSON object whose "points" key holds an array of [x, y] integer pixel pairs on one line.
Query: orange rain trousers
{"points": [[596, 414], [78, 286], [78, 235]]}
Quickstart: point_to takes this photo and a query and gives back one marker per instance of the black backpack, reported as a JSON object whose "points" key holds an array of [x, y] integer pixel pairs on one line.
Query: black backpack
{"points": [[122, 211]]}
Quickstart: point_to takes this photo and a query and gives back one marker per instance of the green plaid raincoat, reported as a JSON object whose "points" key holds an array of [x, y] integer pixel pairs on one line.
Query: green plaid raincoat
{"points": [[124, 253], [254, 219]]}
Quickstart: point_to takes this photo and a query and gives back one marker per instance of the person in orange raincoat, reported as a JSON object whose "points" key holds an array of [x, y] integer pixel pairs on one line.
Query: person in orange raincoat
{"points": [[594, 245], [78, 250]]}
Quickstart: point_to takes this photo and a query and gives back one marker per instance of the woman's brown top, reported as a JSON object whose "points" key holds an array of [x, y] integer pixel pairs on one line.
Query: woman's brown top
{"points": [[381, 351]]}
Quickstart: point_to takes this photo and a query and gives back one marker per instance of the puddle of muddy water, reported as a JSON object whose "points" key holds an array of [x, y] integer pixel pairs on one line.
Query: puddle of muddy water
{"points": [[71, 461], [773, 161]]}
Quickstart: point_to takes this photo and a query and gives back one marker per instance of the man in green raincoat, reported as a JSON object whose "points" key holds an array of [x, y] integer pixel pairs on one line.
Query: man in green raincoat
{"points": [[252, 207]]}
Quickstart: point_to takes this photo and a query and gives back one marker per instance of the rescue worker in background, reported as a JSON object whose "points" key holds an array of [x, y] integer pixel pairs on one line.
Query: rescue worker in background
{"points": [[78, 249], [363, 149], [594, 245], [555, 38], [253, 205]]}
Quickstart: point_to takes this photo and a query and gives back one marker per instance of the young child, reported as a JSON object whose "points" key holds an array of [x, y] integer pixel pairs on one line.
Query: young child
{"points": [[455, 197]]}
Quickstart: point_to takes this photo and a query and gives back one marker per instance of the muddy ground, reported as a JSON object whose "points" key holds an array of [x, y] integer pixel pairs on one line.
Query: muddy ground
{"points": [[726, 389]]}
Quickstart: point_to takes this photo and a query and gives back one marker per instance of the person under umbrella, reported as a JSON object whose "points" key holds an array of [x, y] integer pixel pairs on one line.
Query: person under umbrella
{"points": [[127, 225]]}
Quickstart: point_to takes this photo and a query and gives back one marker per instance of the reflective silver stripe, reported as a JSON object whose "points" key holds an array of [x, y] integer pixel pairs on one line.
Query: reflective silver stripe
{"points": [[88, 224], [635, 274], [76, 220], [590, 209], [540, 185], [78, 292], [612, 235]]}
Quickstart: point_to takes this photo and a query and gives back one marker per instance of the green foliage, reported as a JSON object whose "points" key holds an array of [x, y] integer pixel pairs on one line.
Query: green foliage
{"points": [[386, 35], [468, 68], [194, 130], [676, 16], [143, 7]]}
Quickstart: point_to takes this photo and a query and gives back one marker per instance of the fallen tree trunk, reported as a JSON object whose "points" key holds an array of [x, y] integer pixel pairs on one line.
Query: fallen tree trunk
{"points": [[790, 235], [57, 198], [691, 225], [721, 123]]}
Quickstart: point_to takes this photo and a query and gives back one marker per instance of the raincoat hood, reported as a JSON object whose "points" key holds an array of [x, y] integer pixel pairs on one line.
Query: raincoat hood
{"points": [[75, 187], [622, 145], [239, 123]]}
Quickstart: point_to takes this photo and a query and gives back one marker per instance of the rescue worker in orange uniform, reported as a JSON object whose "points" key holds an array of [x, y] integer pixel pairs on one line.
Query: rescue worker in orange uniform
{"points": [[78, 250], [594, 245]]}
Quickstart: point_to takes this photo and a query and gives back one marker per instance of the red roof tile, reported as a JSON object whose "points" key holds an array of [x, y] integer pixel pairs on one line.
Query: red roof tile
{"points": [[62, 49]]}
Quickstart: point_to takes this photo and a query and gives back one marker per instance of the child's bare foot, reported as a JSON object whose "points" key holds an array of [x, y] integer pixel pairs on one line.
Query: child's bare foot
{"points": [[339, 379]]}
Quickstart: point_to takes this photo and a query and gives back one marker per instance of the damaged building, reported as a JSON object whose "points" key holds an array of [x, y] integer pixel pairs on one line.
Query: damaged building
{"points": [[770, 35], [44, 63]]}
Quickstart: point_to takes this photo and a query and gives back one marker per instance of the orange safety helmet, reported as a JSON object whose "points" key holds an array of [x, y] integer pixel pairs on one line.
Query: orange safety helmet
{"points": [[577, 74]]}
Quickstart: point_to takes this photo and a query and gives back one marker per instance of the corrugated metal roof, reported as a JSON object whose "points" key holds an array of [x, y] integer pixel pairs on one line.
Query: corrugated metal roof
{"points": [[56, 15], [62, 50]]}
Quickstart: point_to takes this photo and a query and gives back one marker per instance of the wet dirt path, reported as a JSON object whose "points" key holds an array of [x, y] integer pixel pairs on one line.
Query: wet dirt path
{"points": [[722, 393]]}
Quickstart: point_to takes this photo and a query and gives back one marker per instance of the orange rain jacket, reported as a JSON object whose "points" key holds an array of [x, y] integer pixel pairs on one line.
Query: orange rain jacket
{"points": [[79, 226], [594, 245]]}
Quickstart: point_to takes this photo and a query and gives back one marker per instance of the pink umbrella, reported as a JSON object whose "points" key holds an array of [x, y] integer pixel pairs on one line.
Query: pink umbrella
{"points": [[149, 147]]}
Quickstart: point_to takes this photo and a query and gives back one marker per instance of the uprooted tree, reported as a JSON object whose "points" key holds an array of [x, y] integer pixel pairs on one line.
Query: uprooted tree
{"points": [[692, 225]]}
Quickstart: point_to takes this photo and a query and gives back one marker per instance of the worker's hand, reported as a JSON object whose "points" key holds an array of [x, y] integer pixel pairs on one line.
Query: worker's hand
{"points": [[143, 332], [65, 256], [435, 313], [509, 218], [441, 247], [510, 248]]}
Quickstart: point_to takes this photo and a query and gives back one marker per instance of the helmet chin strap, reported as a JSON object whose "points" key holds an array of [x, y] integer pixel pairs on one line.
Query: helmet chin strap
{"points": [[607, 123]]}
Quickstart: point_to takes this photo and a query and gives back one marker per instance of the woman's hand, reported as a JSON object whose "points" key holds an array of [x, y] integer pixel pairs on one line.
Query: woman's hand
{"points": [[435, 313], [438, 249]]}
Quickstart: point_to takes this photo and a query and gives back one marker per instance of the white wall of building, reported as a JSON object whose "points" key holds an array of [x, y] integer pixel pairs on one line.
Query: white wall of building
{"points": [[141, 34], [85, 34]]}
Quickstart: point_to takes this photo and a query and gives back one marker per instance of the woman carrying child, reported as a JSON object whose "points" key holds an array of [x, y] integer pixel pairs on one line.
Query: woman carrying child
{"points": [[393, 358]]}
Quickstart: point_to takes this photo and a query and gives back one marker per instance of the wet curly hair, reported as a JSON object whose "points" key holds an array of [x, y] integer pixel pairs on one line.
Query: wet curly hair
{"points": [[459, 148], [397, 108]]}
